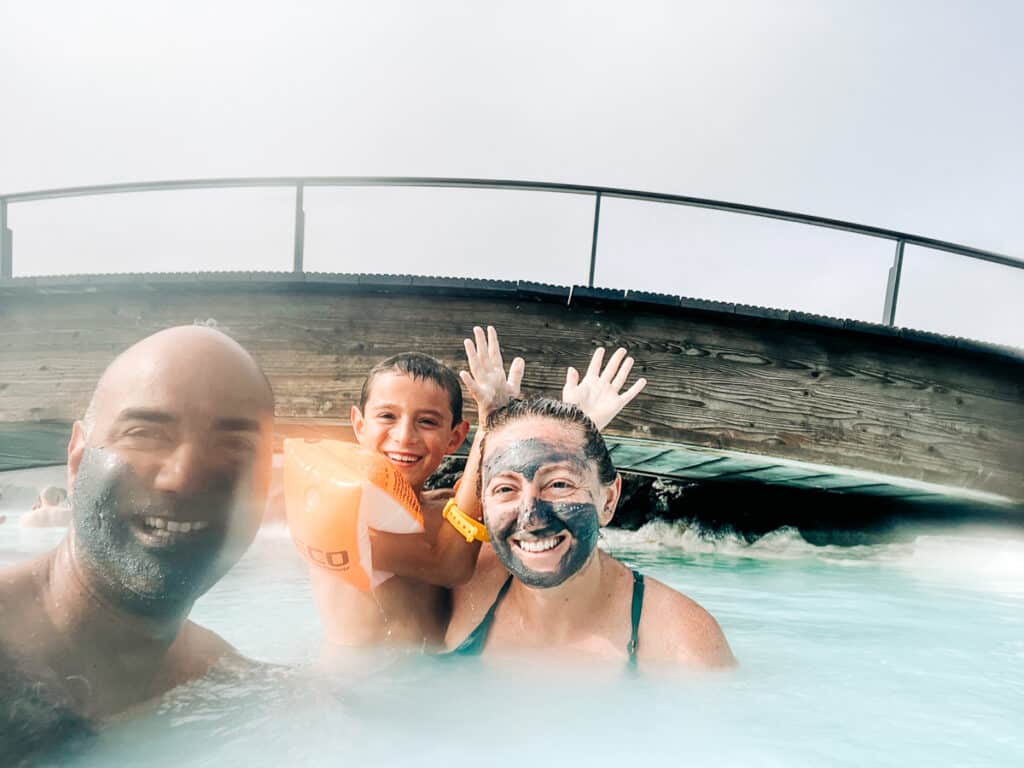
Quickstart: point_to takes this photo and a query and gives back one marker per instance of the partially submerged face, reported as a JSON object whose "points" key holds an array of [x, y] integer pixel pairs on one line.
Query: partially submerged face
{"points": [[543, 500], [170, 475], [408, 421]]}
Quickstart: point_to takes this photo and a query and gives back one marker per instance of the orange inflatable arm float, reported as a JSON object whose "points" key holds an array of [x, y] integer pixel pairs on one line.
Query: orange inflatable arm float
{"points": [[334, 492]]}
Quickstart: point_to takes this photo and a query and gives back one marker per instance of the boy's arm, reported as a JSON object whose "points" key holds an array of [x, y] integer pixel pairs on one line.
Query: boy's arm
{"points": [[441, 556], [446, 558], [492, 390]]}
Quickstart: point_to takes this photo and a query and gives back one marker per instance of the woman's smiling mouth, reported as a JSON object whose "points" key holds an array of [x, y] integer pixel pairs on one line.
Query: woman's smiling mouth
{"points": [[540, 546]]}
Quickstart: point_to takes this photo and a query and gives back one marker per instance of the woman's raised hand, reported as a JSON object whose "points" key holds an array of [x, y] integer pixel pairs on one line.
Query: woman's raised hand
{"points": [[486, 378], [598, 394]]}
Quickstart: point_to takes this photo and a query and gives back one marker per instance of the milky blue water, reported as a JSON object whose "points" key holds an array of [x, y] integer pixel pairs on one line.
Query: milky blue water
{"points": [[895, 654]]}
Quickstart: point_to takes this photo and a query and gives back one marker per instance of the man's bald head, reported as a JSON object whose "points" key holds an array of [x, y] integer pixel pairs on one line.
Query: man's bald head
{"points": [[190, 350]]}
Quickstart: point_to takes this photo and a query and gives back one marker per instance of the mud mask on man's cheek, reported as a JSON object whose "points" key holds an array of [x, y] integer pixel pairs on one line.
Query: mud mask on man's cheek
{"points": [[151, 570], [539, 519]]}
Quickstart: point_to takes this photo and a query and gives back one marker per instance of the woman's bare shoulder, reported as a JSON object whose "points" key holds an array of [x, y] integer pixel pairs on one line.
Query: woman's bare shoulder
{"points": [[675, 628]]}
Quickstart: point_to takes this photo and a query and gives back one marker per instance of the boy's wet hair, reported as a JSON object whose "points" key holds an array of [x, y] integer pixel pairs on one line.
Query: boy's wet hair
{"points": [[594, 448], [418, 366]]}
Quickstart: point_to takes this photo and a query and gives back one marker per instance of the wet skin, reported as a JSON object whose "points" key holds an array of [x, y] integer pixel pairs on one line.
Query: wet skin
{"points": [[525, 457], [540, 512], [169, 473], [121, 534]]}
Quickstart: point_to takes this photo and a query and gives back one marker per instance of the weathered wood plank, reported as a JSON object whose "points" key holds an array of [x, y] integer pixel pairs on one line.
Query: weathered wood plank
{"points": [[775, 389]]}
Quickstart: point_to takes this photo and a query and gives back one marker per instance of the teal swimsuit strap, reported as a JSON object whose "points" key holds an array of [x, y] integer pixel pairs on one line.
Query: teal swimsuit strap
{"points": [[474, 643], [635, 611]]}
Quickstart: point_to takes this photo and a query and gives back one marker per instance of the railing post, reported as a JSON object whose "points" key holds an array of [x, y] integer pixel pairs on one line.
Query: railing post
{"points": [[593, 241], [300, 231], [6, 249], [892, 288]]}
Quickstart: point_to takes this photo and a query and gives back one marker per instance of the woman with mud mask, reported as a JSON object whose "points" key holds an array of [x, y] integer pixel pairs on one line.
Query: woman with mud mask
{"points": [[548, 485]]}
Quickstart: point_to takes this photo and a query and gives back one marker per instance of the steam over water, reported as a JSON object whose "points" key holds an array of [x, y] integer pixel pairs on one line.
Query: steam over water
{"points": [[908, 653]]}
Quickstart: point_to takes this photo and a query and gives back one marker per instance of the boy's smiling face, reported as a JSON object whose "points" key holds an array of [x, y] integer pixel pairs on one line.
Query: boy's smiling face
{"points": [[409, 422]]}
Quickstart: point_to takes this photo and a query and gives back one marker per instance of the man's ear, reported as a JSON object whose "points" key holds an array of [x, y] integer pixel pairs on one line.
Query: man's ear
{"points": [[358, 423], [458, 437], [76, 447], [611, 500]]}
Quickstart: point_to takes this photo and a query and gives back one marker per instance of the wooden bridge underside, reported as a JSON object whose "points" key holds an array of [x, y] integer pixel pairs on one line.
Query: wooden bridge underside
{"points": [[734, 392]]}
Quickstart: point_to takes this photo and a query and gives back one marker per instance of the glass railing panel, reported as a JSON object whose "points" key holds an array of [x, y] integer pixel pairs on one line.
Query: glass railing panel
{"points": [[479, 233], [723, 256], [174, 231], [957, 296]]}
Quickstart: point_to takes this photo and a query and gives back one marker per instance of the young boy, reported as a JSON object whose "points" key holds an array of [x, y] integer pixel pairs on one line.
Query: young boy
{"points": [[410, 411]]}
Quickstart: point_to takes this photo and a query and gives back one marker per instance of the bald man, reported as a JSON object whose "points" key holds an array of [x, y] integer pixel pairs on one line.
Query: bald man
{"points": [[168, 472]]}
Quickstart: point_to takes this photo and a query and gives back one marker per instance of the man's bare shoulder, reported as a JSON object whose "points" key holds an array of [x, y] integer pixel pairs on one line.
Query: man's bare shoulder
{"points": [[20, 593], [676, 629], [196, 651]]}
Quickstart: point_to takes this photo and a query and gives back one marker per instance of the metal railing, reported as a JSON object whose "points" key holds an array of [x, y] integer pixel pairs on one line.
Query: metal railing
{"points": [[299, 183]]}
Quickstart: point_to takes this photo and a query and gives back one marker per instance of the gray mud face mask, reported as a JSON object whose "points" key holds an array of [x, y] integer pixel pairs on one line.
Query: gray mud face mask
{"points": [[549, 519], [542, 518], [111, 504]]}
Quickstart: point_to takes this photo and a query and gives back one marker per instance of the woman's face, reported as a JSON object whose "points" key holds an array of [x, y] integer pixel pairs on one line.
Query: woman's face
{"points": [[543, 500]]}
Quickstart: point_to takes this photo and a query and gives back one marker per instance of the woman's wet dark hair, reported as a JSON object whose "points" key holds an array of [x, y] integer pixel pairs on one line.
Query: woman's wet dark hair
{"points": [[417, 366], [594, 447]]}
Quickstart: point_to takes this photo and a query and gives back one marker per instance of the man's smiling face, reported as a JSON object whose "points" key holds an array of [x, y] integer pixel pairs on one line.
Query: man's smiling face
{"points": [[169, 472], [409, 422], [543, 501]]}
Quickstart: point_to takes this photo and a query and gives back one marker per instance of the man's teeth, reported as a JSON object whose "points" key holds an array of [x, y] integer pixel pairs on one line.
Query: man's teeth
{"points": [[401, 458], [539, 545], [173, 526]]}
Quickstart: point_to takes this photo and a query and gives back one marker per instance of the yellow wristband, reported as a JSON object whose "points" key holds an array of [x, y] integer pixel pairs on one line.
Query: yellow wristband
{"points": [[463, 523]]}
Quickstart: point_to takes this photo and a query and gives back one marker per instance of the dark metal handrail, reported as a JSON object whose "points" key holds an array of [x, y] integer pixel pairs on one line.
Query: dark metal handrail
{"points": [[901, 239]]}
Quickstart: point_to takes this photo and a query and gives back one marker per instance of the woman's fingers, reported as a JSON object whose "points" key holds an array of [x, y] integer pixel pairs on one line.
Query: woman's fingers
{"points": [[572, 380], [636, 389], [594, 369], [471, 357], [613, 364], [494, 348], [481, 343], [515, 375], [623, 374], [470, 383]]}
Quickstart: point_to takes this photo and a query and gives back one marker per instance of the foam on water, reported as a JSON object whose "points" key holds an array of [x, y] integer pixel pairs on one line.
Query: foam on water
{"points": [[976, 557]]}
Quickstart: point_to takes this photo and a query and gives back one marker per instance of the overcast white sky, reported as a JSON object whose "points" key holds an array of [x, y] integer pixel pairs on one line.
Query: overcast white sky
{"points": [[896, 114]]}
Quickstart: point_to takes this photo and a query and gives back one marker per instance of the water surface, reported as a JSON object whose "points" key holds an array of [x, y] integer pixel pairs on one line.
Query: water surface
{"points": [[894, 654]]}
